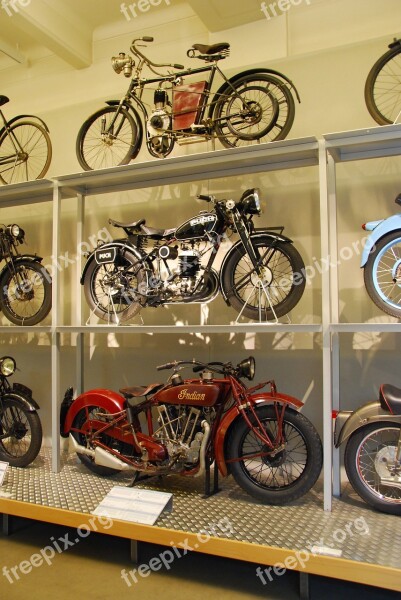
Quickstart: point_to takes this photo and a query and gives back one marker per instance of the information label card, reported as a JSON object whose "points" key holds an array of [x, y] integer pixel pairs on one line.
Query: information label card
{"points": [[3, 470], [135, 505]]}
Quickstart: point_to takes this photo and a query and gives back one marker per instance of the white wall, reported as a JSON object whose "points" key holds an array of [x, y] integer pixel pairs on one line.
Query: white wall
{"points": [[327, 49]]}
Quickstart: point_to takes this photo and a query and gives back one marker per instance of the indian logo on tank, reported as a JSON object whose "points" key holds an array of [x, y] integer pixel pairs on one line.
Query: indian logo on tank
{"points": [[185, 395]]}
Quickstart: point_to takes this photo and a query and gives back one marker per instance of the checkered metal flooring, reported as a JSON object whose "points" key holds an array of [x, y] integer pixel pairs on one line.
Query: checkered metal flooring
{"points": [[352, 527]]}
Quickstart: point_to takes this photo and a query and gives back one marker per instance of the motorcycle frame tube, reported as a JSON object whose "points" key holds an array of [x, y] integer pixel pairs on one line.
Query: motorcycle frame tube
{"points": [[364, 415], [391, 224], [29, 404], [235, 412]]}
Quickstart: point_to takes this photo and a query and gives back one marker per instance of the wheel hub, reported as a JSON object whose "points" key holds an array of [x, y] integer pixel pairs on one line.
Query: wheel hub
{"points": [[274, 461], [252, 112], [385, 462], [18, 431], [264, 279]]}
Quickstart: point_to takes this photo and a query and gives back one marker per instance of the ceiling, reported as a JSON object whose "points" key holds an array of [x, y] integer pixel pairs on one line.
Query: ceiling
{"points": [[66, 27]]}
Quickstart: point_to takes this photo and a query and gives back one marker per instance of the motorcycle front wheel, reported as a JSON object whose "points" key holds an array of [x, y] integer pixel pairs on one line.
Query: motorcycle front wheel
{"points": [[382, 274], [26, 293], [275, 291], [287, 475], [262, 110], [101, 145], [20, 433], [369, 454]]}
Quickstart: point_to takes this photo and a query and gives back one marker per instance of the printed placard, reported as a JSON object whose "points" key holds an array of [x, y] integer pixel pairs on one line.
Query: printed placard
{"points": [[135, 505], [3, 470]]}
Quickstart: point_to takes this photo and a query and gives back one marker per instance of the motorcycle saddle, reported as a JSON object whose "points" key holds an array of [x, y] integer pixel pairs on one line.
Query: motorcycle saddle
{"points": [[4, 100], [390, 397], [213, 49], [142, 228], [139, 390]]}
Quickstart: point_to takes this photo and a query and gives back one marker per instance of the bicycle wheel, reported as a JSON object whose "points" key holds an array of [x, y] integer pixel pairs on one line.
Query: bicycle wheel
{"points": [[25, 152], [262, 110], [383, 87], [382, 274], [101, 144]]}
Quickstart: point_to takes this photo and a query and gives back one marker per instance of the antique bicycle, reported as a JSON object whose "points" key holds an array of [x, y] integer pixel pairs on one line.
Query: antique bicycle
{"points": [[383, 86]]}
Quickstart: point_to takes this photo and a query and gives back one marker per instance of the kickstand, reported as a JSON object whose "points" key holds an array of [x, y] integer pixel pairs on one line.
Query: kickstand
{"points": [[138, 478], [211, 492]]}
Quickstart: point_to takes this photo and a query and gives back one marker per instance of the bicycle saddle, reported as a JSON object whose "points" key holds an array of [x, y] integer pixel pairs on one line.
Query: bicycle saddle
{"points": [[390, 396], [213, 49], [4, 100]]}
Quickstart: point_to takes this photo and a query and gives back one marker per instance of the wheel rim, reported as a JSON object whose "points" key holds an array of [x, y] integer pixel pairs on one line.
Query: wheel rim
{"points": [[25, 293], [112, 291], [252, 115], [103, 149], [386, 273], [14, 422], [372, 462], [280, 471], [387, 90], [32, 161]]}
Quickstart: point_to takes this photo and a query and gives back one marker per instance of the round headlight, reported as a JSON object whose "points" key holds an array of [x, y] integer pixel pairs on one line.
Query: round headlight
{"points": [[246, 368], [7, 366], [15, 230], [250, 201]]}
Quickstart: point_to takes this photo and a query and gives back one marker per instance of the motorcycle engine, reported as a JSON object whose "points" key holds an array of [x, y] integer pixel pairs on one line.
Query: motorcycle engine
{"points": [[186, 269], [159, 122]]}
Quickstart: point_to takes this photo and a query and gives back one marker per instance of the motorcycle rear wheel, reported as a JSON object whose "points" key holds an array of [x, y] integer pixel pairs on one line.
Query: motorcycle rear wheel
{"points": [[25, 433], [382, 274], [289, 474], [366, 456], [278, 290]]}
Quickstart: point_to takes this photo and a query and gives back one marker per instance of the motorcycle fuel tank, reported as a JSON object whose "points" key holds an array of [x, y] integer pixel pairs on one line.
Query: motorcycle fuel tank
{"points": [[197, 227], [191, 394]]}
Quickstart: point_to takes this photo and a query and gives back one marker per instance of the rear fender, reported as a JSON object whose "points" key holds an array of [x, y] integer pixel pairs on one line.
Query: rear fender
{"points": [[389, 225], [226, 424], [115, 244], [106, 399], [348, 422]]}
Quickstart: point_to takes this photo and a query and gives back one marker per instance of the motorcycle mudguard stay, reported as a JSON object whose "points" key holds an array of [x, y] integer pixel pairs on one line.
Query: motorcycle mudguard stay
{"points": [[258, 233], [29, 403], [14, 119], [348, 422], [107, 399], [391, 224], [115, 243], [138, 123], [234, 413]]}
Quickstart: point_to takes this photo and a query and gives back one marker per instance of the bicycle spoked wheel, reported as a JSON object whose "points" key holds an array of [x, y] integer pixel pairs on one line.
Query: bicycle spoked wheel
{"points": [[383, 88], [25, 152]]}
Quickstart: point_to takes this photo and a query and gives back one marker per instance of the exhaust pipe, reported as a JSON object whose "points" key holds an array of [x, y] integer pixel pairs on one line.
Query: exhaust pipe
{"points": [[101, 456], [202, 451]]}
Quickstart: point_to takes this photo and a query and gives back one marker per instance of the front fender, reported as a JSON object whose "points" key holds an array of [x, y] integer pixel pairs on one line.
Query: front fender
{"points": [[19, 117], [391, 224], [20, 258], [106, 399], [234, 413], [28, 403], [258, 233], [348, 422], [114, 244]]}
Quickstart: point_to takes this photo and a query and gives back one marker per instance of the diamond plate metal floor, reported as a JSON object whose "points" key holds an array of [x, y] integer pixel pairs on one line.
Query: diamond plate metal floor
{"points": [[352, 527]]}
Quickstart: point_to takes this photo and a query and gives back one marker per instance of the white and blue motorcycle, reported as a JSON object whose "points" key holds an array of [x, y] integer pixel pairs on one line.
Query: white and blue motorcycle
{"points": [[381, 260]]}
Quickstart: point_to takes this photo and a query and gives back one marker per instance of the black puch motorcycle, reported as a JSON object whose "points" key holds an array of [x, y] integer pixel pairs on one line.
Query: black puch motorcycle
{"points": [[20, 426], [262, 276]]}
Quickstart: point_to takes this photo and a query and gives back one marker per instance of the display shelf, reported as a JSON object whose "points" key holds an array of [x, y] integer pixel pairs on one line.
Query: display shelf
{"points": [[30, 192], [361, 327], [13, 329], [360, 144], [237, 328]]}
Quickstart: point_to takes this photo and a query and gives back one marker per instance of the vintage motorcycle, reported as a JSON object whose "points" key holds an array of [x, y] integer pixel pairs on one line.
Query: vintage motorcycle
{"points": [[20, 427], [262, 275], [381, 260], [25, 284], [252, 106], [373, 449], [273, 451]]}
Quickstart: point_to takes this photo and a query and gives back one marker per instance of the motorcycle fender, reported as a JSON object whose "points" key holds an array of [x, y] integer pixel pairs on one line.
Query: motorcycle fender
{"points": [[18, 259], [389, 225], [108, 246], [107, 399], [14, 119], [234, 413], [138, 123], [348, 422], [28, 403], [259, 232]]}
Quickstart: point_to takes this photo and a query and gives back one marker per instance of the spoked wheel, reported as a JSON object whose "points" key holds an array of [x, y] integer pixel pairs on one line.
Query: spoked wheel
{"points": [[287, 473], [20, 433], [273, 292], [383, 87], [102, 143], [370, 457], [113, 290], [382, 274], [83, 430], [262, 110], [25, 152], [25, 293]]}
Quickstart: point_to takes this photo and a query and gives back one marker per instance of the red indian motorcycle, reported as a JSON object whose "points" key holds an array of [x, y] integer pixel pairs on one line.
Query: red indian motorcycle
{"points": [[273, 451]]}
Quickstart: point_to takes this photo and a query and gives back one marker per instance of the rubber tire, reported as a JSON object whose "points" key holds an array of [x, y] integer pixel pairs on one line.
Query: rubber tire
{"points": [[310, 473], [133, 148], [36, 435], [370, 85], [275, 133], [368, 275], [47, 299], [296, 291], [91, 299], [80, 438], [351, 451], [46, 138]]}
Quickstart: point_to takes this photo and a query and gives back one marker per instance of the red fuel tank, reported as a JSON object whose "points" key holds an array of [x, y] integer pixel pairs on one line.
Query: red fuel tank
{"points": [[192, 394]]}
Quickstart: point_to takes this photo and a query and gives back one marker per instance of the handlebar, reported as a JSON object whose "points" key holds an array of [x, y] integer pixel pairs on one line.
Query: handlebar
{"points": [[149, 39], [206, 198]]}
